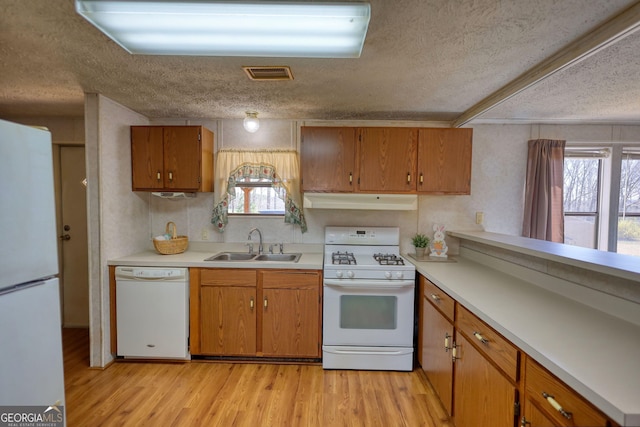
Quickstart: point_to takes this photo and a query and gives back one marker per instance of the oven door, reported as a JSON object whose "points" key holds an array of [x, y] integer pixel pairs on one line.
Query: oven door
{"points": [[368, 313]]}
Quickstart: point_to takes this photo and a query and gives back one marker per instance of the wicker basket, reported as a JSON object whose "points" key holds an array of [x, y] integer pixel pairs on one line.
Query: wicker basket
{"points": [[176, 245]]}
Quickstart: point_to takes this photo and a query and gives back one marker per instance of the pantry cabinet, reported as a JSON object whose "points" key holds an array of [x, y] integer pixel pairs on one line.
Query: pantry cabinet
{"points": [[327, 159], [258, 313], [171, 158], [444, 161], [386, 160]]}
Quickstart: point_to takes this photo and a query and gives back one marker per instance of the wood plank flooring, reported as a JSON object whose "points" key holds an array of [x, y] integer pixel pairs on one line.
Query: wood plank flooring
{"points": [[225, 394]]}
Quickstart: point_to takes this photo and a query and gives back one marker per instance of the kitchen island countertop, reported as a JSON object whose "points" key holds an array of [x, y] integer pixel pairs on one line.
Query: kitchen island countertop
{"points": [[591, 347]]}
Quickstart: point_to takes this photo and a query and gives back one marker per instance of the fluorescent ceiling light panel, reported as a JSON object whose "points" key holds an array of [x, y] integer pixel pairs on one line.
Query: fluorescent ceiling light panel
{"points": [[210, 28]]}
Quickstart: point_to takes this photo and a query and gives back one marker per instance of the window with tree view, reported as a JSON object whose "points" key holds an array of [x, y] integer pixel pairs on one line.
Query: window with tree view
{"points": [[602, 198]]}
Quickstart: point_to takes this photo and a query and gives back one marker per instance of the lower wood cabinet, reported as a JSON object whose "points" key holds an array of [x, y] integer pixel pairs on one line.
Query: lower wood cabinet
{"points": [[483, 396], [436, 341], [479, 378], [258, 313]]}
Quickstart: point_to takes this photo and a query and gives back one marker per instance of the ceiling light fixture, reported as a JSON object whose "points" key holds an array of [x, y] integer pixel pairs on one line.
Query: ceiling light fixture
{"points": [[251, 122], [225, 28]]}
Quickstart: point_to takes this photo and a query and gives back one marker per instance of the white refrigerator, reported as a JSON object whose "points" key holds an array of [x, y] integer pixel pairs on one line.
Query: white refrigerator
{"points": [[31, 362]]}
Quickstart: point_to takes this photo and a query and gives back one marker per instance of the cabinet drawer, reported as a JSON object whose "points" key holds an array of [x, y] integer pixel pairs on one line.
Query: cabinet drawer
{"points": [[578, 411], [438, 298], [290, 279], [227, 277], [490, 342]]}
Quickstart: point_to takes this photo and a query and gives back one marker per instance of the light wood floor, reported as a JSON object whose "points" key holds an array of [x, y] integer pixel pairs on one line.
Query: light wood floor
{"points": [[225, 394]]}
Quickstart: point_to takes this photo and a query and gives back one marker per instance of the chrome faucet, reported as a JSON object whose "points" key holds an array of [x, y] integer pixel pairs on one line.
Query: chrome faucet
{"points": [[259, 234]]}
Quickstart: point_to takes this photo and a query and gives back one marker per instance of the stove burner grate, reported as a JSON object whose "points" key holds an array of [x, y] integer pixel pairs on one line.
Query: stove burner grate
{"points": [[388, 259], [343, 258]]}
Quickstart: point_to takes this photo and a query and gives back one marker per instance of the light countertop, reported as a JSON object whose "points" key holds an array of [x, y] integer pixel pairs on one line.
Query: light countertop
{"points": [[595, 353], [195, 255]]}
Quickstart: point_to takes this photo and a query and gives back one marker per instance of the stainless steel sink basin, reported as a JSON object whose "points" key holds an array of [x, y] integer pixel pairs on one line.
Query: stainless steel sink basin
{"points": [[231, 256], [244, 256], [278, 257]]}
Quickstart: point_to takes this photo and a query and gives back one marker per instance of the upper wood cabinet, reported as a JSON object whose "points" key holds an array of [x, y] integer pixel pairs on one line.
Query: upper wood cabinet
{"points": [[387, 159], [172, 158], [444, 161], [327, 157]]}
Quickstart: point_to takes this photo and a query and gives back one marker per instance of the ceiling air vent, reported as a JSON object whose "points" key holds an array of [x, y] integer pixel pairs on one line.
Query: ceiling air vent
{"points": [[269, 73]]}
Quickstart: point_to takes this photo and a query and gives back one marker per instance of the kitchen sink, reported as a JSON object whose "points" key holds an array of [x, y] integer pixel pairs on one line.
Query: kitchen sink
{"points": [[244, 256], [231, 256], [278, 257]]}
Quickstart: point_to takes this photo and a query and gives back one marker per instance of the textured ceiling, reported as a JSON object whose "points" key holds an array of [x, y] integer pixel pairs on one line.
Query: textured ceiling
{"points": [[422, 60]]}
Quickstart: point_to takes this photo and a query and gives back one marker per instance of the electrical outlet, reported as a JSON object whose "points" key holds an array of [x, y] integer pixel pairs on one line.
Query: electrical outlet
{"points": [[479, 217], [204, 234]]}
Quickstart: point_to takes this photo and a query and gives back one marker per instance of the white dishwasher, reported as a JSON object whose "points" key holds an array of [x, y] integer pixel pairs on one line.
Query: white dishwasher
{"points": [[152, 312]]}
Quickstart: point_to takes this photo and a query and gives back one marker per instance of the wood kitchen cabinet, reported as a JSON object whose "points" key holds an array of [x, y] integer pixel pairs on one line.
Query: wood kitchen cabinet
{"points": [[258, 313], [436, 340], [387, 159], [291, 313], [444, 161], [327, 159], [228, 312], [171, 158], [549, 402]]}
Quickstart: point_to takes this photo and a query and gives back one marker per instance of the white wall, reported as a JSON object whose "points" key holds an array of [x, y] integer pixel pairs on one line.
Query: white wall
{"points": [[118, 218]]}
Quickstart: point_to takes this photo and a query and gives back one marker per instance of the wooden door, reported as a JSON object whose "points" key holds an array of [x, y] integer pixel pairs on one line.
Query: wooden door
{"points": [[147, 160], [182, 158], [436, 360], [387, 160], [228, 320], [291, 310], [483, 397], [327, 159], [444, 161]]}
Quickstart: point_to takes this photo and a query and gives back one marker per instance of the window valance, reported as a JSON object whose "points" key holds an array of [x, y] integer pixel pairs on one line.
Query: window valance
{"points": [[281, 167]]}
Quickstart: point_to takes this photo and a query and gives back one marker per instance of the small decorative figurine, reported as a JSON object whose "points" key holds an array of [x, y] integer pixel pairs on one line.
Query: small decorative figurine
{"points": [[439, 246]]}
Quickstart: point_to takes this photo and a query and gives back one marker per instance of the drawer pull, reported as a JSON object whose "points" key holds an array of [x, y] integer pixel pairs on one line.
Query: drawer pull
{"points": [[151, 345], [435, 297], [446, 341], [480, 338], [553, 402], [251, 303]]}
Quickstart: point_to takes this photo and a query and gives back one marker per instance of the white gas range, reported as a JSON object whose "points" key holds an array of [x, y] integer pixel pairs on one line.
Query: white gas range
{"points": [[368, 300]]}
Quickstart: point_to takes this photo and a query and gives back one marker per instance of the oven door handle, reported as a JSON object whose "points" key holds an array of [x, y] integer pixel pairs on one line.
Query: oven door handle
{"points": [[365, 284]]}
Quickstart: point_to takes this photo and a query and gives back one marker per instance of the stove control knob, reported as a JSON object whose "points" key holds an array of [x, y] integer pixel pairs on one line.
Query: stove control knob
{"points": [[399, 274], [350, 274], [339, 274], [387, 274]]}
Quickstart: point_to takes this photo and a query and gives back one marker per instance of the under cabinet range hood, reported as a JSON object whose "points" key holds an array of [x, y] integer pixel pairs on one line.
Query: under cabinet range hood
{"points": [[173, 195], [389, 202]]}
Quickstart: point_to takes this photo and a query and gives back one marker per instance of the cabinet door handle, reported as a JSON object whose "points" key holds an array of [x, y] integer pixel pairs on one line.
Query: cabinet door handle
{"points": [[421, 178], [454, 352], [408, 178], [265, 302], [553, 402], [251, 303], [435, 297], [158, 176], [350, 178], [524, 422], [480, 338], [170, 176], [446, 341]]}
